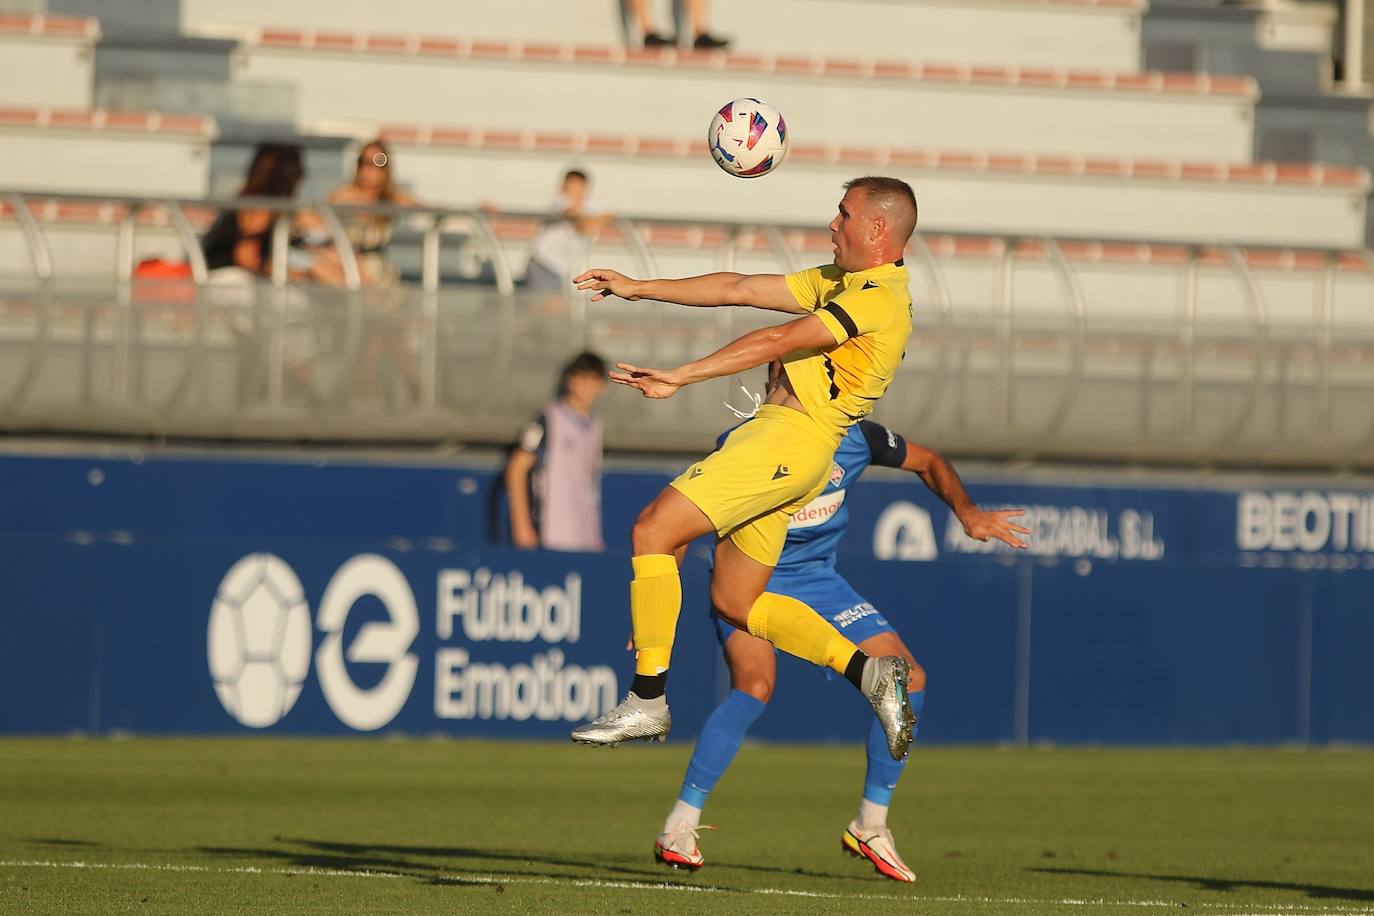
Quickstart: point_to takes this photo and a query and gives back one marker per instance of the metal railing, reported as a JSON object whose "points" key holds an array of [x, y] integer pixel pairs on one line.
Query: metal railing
{"points": [[1035, 365]]}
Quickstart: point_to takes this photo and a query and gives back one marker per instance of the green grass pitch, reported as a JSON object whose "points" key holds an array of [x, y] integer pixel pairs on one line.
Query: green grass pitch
{"points": [[415, 826]]}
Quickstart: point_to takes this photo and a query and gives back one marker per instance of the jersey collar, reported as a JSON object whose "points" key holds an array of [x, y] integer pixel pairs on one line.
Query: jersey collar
{"points": [[876, 273]]}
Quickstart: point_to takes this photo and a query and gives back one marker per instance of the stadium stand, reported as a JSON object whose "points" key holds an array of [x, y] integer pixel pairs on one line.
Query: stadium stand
{"points": [[1099, 34], [359, 79], [114, 152], [1266, 203], [1015, 119], [46, 60]]}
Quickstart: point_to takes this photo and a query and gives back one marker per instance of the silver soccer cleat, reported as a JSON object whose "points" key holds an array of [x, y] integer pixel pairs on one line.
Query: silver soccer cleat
{"points": [[633, 720], [884, 681]]}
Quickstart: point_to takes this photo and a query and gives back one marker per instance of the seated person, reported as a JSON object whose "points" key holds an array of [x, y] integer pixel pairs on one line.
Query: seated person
{"points": [[243, 238]]}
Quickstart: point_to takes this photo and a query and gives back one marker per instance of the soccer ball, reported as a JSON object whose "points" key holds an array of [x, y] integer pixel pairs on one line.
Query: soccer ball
{"points": [[259, 639], [748, 138]]}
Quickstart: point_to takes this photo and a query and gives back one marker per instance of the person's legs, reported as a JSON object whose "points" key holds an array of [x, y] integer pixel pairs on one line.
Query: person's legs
{"points": [[753, 671], [868, 834], [666, 524], [880, 778]]}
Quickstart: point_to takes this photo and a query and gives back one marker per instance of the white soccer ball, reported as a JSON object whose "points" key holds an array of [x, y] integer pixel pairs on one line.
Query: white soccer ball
{"points": [[748, 138], [259, 640]]}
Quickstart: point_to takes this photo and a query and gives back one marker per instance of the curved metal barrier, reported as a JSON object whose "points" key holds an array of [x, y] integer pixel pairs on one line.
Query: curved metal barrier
{"points": [[1015, 354]]}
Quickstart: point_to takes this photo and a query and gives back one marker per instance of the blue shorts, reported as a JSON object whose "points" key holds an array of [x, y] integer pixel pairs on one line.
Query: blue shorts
{"points": [[831, 595]]}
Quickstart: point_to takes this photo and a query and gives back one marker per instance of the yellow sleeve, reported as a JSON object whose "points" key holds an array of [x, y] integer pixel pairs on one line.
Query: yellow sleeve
{"points": [[858, 311], [806, 287]]}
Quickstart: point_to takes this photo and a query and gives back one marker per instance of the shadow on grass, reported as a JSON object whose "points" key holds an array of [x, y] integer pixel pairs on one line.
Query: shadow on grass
{"points": [[417, 861], [66, 844], [409, 860], [1320, 891]]}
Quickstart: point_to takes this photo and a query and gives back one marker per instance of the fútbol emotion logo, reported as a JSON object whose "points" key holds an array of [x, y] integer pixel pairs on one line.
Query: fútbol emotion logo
{"points": [[259, 637]]}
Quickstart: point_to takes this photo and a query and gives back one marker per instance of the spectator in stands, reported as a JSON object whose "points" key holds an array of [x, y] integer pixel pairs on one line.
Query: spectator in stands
{"points": [[702, 40], [553, 476], [374, 183], [243, 238], [560, 247]]}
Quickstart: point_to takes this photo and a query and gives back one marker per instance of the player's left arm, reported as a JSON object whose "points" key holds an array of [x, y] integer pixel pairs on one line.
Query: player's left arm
{"points": [[757, 348], [892, 450]]}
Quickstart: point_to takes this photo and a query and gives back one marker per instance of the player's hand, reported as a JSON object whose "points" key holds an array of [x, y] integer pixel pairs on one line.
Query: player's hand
{"points": [[982, 525], [653, 383], [607, 282]]}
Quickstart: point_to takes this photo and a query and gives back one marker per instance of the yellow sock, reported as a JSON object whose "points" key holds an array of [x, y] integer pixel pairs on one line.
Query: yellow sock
{"points": [[655, 600], [798, 630]]}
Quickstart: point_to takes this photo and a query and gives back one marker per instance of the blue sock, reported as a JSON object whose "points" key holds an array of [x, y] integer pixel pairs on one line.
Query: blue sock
{"points": [[720, 738], [883, 772]]}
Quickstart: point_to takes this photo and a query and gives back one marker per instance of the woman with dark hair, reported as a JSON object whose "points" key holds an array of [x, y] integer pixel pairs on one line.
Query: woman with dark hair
{"points": [[243, 238]]}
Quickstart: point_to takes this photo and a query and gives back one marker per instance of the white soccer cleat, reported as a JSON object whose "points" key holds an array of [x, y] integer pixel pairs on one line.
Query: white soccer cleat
{"points": [[877, 847], [884, 685], [678, 847], [633, 719]]}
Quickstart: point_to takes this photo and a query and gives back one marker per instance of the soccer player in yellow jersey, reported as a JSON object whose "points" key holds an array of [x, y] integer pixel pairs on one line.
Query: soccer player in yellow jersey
{"points": [[838, 359]]}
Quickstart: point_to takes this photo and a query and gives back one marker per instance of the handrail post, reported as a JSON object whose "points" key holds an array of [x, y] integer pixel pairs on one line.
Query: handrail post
{"points": [[40, 258], [1259, 322], [124, 275], [1077, 308], [1004, 325], [195, 257], [1325, 318], [1187, 332], [276, 341]]}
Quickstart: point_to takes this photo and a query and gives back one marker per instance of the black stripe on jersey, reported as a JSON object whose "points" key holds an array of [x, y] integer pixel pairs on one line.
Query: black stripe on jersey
{"points": [[900, 262], [843, 318], [830, 370]]}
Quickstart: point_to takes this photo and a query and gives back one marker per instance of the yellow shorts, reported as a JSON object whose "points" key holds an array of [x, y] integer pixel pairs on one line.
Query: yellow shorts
{"points": [[766, 470]]}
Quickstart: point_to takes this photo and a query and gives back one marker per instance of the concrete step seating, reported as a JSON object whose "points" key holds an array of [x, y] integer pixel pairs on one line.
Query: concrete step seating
{"points": [[106, 152], [1045, 33], [354, 80], [1086, 196], [46, 60]]}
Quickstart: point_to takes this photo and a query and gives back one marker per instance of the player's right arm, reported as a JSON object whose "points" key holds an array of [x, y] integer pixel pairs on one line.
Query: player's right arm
{"points": [[760, 291], [895, 451], [517, 479]]}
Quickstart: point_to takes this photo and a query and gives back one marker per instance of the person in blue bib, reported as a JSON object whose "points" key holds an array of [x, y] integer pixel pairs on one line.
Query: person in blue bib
{"points": [[806, 571]]}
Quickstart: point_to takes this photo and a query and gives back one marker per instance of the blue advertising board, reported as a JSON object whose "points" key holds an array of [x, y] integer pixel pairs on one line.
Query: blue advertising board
{"points": [[188, 595]]}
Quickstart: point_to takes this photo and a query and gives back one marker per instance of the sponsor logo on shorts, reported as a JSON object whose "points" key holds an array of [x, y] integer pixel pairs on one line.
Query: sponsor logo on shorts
{"points": [[854, 614], [836, 475]]}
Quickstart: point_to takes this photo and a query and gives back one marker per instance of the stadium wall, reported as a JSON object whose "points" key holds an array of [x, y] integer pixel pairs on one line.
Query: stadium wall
{"points": [[189, 595]]}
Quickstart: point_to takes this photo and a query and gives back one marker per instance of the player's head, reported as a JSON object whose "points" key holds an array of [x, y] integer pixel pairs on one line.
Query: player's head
{"points": [[575, 185], [583, 379], [875, 220], [374, 172]]}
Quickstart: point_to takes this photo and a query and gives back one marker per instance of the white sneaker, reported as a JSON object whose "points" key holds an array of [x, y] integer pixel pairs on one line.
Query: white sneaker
{"points": [[884, 685], [633, 720], [877, 847], [678, 847]]}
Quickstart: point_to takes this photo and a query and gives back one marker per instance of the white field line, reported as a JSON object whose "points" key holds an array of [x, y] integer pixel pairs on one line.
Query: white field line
{"points": [[1240, 909]]}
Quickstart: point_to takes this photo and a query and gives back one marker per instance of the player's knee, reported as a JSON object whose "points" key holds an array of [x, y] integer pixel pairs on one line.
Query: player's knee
{"points": [[758, 686], [646, 536], [917, 679], [731, 608]]}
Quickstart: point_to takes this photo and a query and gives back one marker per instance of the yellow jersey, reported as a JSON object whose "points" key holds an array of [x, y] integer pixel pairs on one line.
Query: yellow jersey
{"points": [[869, 312]]}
